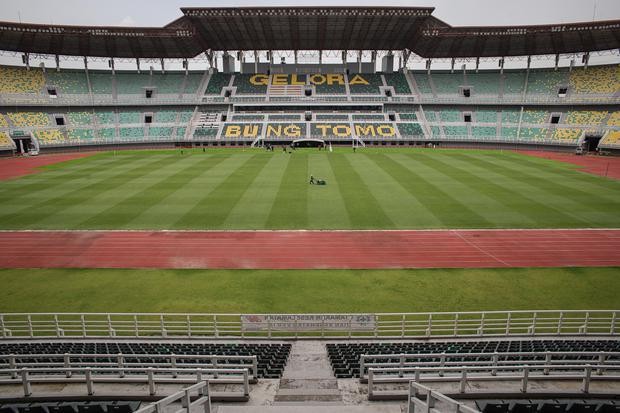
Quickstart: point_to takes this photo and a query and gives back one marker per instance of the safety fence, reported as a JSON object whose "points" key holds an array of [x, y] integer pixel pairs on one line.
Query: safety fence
{"points": [[201, 398], [423, 399], [129, 362], [490, 360], [310, 326], [89, 377], [522, 374]]}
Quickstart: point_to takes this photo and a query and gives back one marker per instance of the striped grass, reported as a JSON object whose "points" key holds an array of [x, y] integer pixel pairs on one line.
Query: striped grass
{"points": [[254, 189]]}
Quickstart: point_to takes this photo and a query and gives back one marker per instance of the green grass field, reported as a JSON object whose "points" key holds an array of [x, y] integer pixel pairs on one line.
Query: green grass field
{"points": [[254, 189], [222, 291]]}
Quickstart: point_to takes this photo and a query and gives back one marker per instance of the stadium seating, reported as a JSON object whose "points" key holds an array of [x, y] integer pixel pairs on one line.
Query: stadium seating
{"points": [[130, 117], [368, 117], [107, 133], [373, 79], [331, 116], [486, 116], [533, 133], [101, 83], [333, 89], [165, 116], [205, 132], [284, 117], [510, 116], [106, 118], [20, 80], [398, 81], [510, 133], [408, 116], [49, 136], [82, 135], [245, 87], [450, 115], [3, 122], [431, 115], [345, 357], [614, 119], [131, 83], [484, 132], [72, 407], [423, 83], [585, 117], [548, 406], [546, 82], [160, 131], [271, 357], [168, 83], [455, 130], [484, 83], [5, 141], [436, 131], [181, 132], [131, 133], [80, 118], [248, 118], [514, 83], [217, 82], [410, 129], [595, 80], [186, 116], [562, 134], [68, 82], [192, 83], [535, 116], [448, 83], [612, 138], [23, 119]]}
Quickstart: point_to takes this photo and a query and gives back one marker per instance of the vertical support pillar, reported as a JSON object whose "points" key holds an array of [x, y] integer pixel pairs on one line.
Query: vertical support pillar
{"points": [[161, 62], [57, 58], [138, 64], [255, 61]]}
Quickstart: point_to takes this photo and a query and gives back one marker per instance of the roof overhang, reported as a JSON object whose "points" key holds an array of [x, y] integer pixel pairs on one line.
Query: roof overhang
{"points": [[309, 28]]}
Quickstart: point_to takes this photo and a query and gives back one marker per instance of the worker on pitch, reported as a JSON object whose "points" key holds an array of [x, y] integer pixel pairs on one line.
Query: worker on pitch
{"points": [[311, 180]]}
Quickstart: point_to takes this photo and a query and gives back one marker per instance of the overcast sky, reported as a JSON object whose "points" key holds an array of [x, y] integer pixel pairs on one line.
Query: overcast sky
{"points": [[161, 12]]}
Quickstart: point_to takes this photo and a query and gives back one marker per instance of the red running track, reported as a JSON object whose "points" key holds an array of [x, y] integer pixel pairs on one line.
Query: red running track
{"points": [[26, 165], [608, 166], [310, 249]]}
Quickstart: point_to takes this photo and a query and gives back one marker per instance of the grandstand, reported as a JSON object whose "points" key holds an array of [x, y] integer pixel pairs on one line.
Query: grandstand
{"points": [[464, 120], [223, 279]]}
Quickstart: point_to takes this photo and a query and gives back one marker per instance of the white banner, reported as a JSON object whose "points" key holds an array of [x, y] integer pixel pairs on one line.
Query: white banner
{"points": [[308, 322]]}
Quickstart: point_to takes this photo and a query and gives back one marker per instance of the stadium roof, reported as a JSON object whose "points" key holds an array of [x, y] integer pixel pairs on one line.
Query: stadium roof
{"points": [[304, 28]]}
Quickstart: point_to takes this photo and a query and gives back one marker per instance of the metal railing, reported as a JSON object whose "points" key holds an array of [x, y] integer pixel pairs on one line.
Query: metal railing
{"points": [[184, 396], [490, 360], [29, 376], [311, 326], [129, 362], [465, 375], [431, 397]]}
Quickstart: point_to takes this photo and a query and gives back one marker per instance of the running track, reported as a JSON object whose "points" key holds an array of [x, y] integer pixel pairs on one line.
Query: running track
{"points": [[310, 249]]}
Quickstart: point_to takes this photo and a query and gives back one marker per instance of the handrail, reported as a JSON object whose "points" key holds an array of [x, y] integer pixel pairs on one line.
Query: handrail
{"points": [[464, 375], [121, 361], [492, 359], [432, 396], [204, 399], [309, 326], [151, 376]]}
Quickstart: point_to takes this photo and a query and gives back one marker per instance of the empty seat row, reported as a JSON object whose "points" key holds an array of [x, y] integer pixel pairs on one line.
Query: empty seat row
{"points": [[271, 358], [345, 357], [72, 407], [548, 406]]}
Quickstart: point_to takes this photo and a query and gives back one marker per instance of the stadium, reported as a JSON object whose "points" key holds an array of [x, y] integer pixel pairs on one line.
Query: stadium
{"points": [[310, 209]]}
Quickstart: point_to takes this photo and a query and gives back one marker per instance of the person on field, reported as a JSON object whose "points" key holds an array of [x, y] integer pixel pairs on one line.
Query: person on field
{"points": [[311, 180]]}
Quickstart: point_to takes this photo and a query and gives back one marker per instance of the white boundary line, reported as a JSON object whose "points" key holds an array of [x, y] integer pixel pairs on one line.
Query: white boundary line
{"points": [[303, 230]]}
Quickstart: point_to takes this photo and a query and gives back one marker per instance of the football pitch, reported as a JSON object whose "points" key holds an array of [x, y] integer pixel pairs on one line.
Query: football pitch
{"points": [[255, 189]]}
